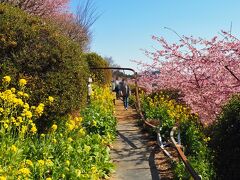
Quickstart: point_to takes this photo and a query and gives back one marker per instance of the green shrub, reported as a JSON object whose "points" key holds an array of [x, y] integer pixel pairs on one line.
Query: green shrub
{"points": [[101, 76], [226, 140], [52, 64]]}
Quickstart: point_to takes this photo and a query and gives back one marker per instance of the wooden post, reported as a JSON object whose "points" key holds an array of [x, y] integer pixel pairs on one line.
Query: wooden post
{"points": [[137, 94]]}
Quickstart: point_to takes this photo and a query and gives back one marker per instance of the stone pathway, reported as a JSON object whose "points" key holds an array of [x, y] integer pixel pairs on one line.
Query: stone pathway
{"points": [[133, 158]]}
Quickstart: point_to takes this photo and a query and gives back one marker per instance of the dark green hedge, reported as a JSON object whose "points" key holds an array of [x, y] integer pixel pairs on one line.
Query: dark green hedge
{"points": [[52, 63], [226, 141]]}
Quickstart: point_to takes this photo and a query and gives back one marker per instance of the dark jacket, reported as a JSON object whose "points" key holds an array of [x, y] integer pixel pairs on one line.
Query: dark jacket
{"points": [[125, 90]]}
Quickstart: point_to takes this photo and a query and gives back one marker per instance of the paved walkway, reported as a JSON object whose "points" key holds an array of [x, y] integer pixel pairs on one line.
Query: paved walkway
{"points": [[133, 158]]}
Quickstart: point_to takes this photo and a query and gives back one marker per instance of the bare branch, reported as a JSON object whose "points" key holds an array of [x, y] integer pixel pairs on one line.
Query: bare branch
{"points": [[87, 15], [232, 73]]}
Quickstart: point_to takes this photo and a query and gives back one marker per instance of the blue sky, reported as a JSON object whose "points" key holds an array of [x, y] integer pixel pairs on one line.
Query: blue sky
{"points": [[126, 26]]}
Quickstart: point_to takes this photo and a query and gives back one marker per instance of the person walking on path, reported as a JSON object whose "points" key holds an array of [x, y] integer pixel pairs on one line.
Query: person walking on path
{"points": [[89, 90], [117, 88], [125, 92], [113, 91]]}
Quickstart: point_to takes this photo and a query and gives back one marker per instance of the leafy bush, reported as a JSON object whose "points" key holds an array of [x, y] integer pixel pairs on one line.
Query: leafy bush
{"points": [[225, 140], [36, 50], [101, 76]]}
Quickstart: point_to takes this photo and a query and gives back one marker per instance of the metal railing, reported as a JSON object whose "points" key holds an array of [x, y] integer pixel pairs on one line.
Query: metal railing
{"points": [[178, 146], [159, 137]]}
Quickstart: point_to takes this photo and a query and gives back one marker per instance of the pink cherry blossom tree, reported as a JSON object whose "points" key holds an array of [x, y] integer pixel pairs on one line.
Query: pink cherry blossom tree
{"points": [[43, 8], [206, 71], [76, 26]]}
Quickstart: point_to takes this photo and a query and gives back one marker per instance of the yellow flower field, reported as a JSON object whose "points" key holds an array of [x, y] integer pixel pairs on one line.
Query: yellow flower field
{"points": [[75, 147]]}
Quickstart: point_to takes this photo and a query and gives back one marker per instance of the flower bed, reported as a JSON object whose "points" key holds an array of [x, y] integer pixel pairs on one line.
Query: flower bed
{"points": [[75, 148], [170, 113]]}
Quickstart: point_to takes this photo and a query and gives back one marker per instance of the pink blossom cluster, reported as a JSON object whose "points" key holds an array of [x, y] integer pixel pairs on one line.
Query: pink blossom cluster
{"points": [[207, 72], [43, 8]]}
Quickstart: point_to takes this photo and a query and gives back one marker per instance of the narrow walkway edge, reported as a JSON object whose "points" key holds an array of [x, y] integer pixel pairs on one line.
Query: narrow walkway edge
{"points": [[133, 158]]}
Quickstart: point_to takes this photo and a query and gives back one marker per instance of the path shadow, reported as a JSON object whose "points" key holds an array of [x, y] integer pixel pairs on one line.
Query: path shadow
{"points": [[153, 168], [126, 140], [138, 153]]}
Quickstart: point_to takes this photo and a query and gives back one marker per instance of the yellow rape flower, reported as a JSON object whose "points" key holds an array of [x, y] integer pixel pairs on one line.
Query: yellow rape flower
{"points": [[1, 170], [19, 119], [6, 79], [3, 178], [13, 120], [26, 106], [20, 93], [24, 171], [48, 178], [87, 148], [24, 129], [72, 122], [70, 126], [94, 123], [67, 162], [70, 139], [26, 95], [22, 82], [41, 162], [80, 119], [78, 172], [54, 127], [49, 162], [33, 129], [76, 119], [6, 121], [207, 139], [54, 141], [5, 125], [19, 102], [51, 99], [82, 132], [39, 109], [14, 148], [29, 162], [13, 90], [28, 114]]}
